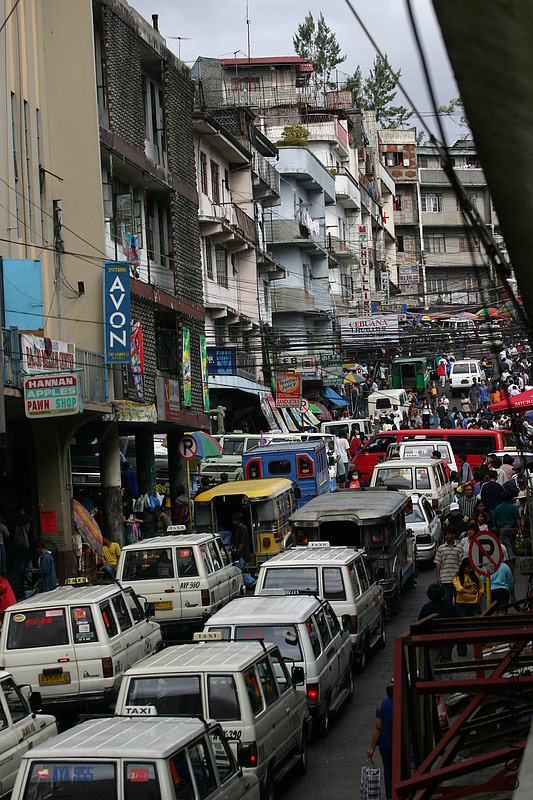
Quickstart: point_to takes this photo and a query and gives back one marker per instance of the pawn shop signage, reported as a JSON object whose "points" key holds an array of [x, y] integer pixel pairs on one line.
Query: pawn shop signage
{"points": [[49, 395]]}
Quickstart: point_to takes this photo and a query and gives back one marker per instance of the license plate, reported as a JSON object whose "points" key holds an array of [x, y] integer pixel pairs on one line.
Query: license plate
{"points": [[54, 679], [164, 605]]}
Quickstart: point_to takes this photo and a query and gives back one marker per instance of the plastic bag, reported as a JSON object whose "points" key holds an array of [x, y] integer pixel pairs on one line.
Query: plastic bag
{"points": [[370, 781], [154, 502]]}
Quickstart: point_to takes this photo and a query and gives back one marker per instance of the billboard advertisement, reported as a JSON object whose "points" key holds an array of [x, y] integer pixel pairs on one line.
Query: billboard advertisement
{"points": [[288, 390], [117, 319]]}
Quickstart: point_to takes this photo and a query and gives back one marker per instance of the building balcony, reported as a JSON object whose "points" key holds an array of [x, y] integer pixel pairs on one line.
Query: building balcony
{"points": [[455, 260], [341, 248], [346, 189], [292, 298], [303, 166], [401, 174], [266, 181], [469, 176], [405, 217], [289, 231], [229, 225], [268, 267]]}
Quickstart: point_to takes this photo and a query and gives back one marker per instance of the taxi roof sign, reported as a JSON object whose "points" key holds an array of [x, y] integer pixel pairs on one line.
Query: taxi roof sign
{"points": [[207, 636], [80, 580], [319, 544]]}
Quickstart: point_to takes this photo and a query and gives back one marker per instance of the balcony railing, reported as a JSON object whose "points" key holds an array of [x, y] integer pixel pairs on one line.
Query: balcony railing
{"points": [[233, 215], [93, 373], [245, 363], [267, 175]]}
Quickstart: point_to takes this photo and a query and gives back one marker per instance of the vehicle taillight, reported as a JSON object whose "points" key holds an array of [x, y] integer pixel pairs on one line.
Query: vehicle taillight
{"points": [[107, 667], [353, 628], [266, 542], [312, 692], [252, 759], [435, 504], [206, 600]]}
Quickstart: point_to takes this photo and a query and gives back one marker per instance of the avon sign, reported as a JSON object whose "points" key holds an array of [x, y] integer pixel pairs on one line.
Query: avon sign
{"points": [[117, 322]]}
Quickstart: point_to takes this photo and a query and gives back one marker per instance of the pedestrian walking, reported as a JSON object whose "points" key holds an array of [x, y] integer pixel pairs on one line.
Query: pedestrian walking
{"points": [[464, 473], [441, 372], [181, 514], [501, 584], [45, 569], [161, 521], [492, 492], [469, 591], [506, 516], [110, 555], [467, 502], [240, 547], [382, 737], [22, 541], [448, 559]]}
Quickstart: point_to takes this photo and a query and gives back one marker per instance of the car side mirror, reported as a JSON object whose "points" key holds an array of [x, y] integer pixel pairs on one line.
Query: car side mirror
{"points": [[36, 702], [380, 573], [346, 623], [297, 676], [149, 610]]}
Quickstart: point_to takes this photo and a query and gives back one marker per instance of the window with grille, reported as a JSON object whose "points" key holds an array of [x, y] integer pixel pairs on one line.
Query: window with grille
{"points": [[166, 334], [203, 173], [220, 333], [435, 243], [423, 162], [437, 286], [473, 201], [347, 287], [208, 257], [221, 261], [432, 203], [399, 244], [215, 182], [468, 243]]}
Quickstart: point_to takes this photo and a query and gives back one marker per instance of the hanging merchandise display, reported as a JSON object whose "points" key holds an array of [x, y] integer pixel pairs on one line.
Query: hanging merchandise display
{"points": [[186, 366]]}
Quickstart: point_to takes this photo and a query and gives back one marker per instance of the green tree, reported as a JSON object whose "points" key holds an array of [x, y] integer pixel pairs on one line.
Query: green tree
{"points": [[293, 136], [378, 91], [316, 42], [452, 109]]}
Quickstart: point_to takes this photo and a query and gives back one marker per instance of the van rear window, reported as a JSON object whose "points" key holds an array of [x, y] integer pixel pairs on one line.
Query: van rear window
{"points": [[395, 477], [303, 579], [172, 695], [274, 634], [460, 369], [148, 564], [37, 628], [84, 780]]}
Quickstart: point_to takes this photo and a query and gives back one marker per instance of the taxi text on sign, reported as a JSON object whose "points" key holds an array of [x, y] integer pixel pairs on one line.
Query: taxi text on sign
{"points": [[52, 395], [117, 317]]}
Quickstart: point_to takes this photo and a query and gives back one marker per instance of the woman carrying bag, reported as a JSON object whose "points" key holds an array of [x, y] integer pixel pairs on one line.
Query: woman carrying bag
{"points": [[469, 590]]}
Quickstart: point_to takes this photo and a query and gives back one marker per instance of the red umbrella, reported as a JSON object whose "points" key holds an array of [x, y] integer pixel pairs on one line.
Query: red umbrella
{"points": [[517, 402]]}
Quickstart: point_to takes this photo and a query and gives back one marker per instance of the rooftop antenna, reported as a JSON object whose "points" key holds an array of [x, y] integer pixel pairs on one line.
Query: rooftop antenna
{"points": [[248, 32], [179, 40]]}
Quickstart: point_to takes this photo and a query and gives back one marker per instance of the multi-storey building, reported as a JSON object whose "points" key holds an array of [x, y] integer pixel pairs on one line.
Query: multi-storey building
{"points": [[98, 165]]}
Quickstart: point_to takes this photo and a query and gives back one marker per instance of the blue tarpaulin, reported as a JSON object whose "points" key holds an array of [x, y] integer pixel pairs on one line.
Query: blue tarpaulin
{"points": [[331, 395]]}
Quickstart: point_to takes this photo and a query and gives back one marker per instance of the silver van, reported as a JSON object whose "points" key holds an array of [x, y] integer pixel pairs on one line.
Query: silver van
{"points": [[308, 634]]}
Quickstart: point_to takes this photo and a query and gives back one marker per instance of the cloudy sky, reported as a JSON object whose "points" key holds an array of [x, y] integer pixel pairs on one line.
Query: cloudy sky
{"points": [[217, 28]]}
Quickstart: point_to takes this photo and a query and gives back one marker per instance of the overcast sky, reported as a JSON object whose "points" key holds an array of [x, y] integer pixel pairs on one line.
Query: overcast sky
{"points": [[217, 28]]}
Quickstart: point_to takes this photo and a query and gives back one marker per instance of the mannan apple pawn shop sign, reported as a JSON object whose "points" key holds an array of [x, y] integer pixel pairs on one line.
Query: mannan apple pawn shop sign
{"points": [[52, 395], [117, 317]]}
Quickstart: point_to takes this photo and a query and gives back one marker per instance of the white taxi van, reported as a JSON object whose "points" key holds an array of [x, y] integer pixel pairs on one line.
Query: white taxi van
{"points": [[135, 759], [243, 685], [76, 642], [187, 577], [341, 575], [427, 477], [308, 634]]}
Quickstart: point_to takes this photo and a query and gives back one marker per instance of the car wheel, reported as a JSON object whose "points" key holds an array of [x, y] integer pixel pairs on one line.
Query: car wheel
{"points": [[323, 723], [267, 786], [301, 766], [382, 641], [351, 685]]}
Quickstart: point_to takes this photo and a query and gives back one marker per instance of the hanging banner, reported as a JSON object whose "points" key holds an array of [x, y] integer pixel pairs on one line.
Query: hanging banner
{"points": [[186, 367], [362, 330], [46, 355], [205, 384], [365, 269], [408, 274], [268, 413], [117, 321], [288, 390], [136, 369]]}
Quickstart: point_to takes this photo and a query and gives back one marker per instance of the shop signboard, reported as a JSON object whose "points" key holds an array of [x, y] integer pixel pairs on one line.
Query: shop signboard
{"points": [[186, 368], [304, 365], [46, 355], [288, 390], [268, 412], [389, 308], [365, 268], [365, 330], [408, 274], [168, 399], [117, 317], [221, 361], [331, 369], [203, 361], [52, 395]]}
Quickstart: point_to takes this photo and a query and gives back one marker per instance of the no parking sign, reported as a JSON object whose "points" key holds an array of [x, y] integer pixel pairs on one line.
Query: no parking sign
{"points": [[187, 447], [485, 553]]}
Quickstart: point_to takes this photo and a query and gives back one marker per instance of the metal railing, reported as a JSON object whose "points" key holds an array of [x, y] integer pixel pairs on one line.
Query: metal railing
{"points": [[93, 372], [266, 172]]}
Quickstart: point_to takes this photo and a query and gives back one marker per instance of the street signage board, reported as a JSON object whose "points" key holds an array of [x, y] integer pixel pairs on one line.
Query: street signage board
{"points": [[485, 553], [288, 390], [52, 395], [187, 447], [363, 330], [117, 314]]}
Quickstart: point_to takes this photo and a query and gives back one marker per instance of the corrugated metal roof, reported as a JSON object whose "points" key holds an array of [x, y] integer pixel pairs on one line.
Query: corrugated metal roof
{"points": [[263, 610], [201, 657], [66, 595], [309, 556]]}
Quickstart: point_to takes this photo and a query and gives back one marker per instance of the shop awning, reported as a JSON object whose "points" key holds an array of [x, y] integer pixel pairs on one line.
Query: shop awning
{"points": [[325, 415], [517, 402], [127, 411], [331, 395]]}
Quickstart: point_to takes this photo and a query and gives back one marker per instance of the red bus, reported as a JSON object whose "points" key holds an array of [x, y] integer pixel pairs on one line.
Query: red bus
{"points": [[474, 443]]}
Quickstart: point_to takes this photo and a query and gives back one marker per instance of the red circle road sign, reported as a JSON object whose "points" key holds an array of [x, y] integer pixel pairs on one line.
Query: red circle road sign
{"points": [[485, 553], [187, 447]]}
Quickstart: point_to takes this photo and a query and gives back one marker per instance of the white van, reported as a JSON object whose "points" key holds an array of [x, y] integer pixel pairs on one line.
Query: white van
{"points": [[243, 685], [351, 425], [187, 577], [75, 642], [423, 448], [384, 400], [427, 477], [462, 375], [130, 759], [308, 634], [342, 575]]}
